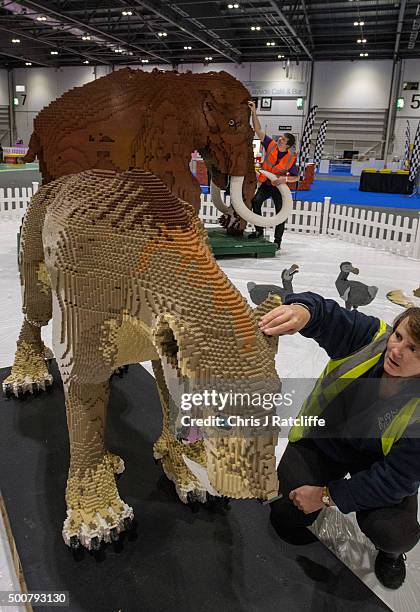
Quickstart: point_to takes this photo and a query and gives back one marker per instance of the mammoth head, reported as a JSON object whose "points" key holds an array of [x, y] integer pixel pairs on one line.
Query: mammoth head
{"points": [[198, 361], [228, 151]]}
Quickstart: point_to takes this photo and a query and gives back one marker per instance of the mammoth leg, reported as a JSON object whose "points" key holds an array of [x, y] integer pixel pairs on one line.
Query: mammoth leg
{"points": [[95, 510], [29, 370], [170, 450]]}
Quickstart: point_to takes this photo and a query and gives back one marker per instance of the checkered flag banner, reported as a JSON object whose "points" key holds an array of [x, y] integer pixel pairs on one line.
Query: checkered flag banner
{"points": [[319, 144], [415, 157], [407, 146], [305, 145]]}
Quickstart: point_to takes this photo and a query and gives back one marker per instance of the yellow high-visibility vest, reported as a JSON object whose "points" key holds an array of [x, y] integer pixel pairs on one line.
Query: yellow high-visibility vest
{"points": [[339, 373]]}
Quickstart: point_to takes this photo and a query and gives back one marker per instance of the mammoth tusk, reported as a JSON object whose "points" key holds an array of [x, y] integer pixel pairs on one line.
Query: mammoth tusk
{"points": [[249, 216], [217, 199]]}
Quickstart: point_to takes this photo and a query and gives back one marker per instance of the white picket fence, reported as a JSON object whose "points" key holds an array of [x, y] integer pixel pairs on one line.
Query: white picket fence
{"points": [[381, 230], [394, 233], [14, 201]]}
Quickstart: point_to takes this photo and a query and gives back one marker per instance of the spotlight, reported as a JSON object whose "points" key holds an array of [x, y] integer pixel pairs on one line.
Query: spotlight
{"points": [[361, 23], [15, 40], [28, 63], [359, 40], [208, 58], [280, 56], [270, 44], [53, 52], [86, 62], [41, 18], [160, 34], [356, 23], [86, 37], [118, 50], [188, 48], [257, 28], [127, 13], [233, 6], [364, 40], [144, 61]]}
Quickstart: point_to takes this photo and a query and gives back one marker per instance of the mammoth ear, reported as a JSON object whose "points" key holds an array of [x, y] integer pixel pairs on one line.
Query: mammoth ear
{"points": [[271, 302], [210, 113]]}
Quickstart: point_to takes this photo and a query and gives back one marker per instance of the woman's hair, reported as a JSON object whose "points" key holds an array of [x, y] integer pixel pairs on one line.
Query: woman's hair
{"points": [[291, 140], [413, 315]]}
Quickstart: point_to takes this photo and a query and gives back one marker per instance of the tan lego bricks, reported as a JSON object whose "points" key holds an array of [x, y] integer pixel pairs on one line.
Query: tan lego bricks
{"points": [[124, 269]]}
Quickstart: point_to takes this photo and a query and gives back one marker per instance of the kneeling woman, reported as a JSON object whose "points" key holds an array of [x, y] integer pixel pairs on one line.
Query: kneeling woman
{"points": [[369, 396]]}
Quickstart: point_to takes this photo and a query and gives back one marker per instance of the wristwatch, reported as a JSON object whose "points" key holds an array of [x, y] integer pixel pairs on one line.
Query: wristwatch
{"points": [[326, 497]]}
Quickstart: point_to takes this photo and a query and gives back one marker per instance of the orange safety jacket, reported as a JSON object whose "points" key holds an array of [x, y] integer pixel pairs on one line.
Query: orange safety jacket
{"points": [[279, 169]]}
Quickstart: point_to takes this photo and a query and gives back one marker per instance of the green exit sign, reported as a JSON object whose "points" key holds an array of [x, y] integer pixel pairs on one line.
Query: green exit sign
{"points": [[400, 102]]}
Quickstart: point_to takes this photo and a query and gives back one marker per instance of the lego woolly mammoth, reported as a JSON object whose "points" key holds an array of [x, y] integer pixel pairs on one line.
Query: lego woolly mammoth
{"points": [[154, 121], [124, 269]]}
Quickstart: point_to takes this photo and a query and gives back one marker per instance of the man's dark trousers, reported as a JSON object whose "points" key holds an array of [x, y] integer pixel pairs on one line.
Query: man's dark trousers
{"points": [[266, 191], [393, 529]]}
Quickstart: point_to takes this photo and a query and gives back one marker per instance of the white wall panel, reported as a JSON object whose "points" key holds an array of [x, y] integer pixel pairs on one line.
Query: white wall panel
{"points": [[349, 84], [411, 110]]}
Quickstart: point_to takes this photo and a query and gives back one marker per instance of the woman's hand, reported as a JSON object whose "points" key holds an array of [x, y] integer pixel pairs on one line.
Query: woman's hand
{"points": [[285, 320], [307, 498]]}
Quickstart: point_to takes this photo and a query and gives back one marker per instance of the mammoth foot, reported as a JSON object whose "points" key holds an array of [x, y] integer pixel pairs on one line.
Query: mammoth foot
{"points": [[95, 512], [170, 452], [120, 371], [29, 371]]}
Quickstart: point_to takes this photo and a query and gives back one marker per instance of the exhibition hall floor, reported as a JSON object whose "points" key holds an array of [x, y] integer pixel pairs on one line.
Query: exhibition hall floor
{"points": [[244, 534]]}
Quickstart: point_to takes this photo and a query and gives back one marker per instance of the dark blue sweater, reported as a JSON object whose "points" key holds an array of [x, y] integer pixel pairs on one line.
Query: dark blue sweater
{"points": [[376, 480]]}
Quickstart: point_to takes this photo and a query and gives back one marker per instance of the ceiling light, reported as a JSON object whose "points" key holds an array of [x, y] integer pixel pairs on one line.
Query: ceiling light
{"points": [[28, 63], [233, 6], [162, 34], [364, 40], [270, 44], [257, 28], [41, 18], [15, 40], [118, 50], [280, 56], [86, 62], [187, 48], [127, 13], [53, 52], [208, 58], [361, 23], [144, 61], [356, 23], [86, 37]]}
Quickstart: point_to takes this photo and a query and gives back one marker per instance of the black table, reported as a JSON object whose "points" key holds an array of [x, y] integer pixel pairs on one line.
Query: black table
{"points": [[385, 182]]}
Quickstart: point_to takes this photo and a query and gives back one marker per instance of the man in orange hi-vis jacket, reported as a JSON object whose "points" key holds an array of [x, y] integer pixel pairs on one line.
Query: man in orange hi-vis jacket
{"points": [[278, 160]]}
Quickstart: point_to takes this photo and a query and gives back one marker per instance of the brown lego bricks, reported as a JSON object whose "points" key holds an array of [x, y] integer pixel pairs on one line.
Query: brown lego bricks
{"points": [[150, 120]]}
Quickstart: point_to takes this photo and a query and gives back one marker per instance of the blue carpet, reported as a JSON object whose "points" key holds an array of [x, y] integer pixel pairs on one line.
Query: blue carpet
{"points": [[346, 192]]}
